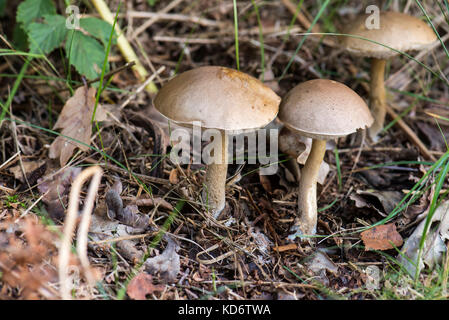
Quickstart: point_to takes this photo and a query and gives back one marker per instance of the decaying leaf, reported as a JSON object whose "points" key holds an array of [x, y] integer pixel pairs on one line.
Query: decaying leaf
{"points": [[128, 215], [75, 122], [29, 167], [434, 246], [382, 237], [372, 198], [319, 263], [173, 178], [28, 258], [141, 286], [102, 228], [55, 188], [166, 264]]}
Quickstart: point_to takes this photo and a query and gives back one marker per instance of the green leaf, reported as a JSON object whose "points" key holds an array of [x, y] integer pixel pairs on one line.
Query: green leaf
{"points": [[45, 37], [30, 10], [2, 7], [19, 38], [98, 28], [85, 54], [151, 2]]}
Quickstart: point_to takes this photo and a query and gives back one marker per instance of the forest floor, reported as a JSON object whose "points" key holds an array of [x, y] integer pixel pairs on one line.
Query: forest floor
{"points": [[165, 246]]}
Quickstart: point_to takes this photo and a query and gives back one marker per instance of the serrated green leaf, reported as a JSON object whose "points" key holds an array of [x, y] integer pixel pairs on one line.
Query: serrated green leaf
{"points": [[45, 37], [86, 54], [98, 28], [30, 10]]}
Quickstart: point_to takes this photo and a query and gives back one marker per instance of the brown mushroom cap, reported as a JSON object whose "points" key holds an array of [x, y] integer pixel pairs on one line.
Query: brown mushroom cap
{"points": [[324, 109], [397, 30], [219, 98]]}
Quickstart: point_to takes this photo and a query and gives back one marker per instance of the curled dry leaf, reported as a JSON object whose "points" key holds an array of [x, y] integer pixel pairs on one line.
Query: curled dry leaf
{"points": [[371, 199], [55, 188], [128, 215], [166, 264], [75, 122], [434, 245], [141, 286], [382, 237]]}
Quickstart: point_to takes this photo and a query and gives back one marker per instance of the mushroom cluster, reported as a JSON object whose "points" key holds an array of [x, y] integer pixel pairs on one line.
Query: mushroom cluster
{"points": [[231, 101], [218, 98]]}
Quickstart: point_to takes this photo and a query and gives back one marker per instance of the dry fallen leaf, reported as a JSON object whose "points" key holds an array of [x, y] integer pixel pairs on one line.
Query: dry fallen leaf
{"points": [[75, 122], [167, 264], [434, 244], [141, 286], [382, 237], [55, 188], [173, 178], [29, 167]]}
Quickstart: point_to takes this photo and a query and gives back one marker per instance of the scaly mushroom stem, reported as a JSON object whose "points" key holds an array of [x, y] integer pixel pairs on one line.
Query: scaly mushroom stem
{"points": [[377, 98], [215, 184], [307, 207]]}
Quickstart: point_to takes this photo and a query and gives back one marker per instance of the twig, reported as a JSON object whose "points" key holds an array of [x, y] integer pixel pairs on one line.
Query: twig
{"points": [[124, 45], [69, 226], [147, 24], [142, 86], [107, 75], [175, 17], [410, 134]]}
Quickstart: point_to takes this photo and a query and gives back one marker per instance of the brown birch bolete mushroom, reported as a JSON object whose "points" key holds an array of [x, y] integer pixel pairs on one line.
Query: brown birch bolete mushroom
{"points": [[396, 30], [322, 110], [223, 99]]}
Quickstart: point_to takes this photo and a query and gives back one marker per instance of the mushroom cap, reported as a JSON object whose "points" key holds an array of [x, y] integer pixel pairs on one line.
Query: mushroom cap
{"points": [[324, 109], [397, 30], [219, 98]]}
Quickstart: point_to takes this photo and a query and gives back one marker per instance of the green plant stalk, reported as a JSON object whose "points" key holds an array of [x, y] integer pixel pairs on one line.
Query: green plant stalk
{"points": [[315, 20], [292, 21], [236, 34], [417, 187], [433, 206], [433, 27], [103, 71], [14, 89]]}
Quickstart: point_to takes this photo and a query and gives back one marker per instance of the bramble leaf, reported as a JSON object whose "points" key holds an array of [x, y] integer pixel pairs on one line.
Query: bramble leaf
{"points": [[98, 28], [85, 54], [45, 37], [30, 10]]}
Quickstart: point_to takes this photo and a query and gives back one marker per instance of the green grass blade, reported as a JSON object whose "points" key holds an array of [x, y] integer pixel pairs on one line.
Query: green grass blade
{"points": [[14, 89], [315, 20], [236, 34], [433, 27]]}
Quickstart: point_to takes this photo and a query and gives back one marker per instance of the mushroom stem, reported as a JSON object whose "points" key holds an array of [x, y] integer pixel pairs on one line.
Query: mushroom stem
{"points": [[377, 96], [215, 183], [307, 207]]}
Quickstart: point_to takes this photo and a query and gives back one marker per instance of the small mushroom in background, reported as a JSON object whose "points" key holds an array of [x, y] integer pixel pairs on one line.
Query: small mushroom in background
{"points": [[298, 148], [321, 110], [398, 31], [223, 99]]}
